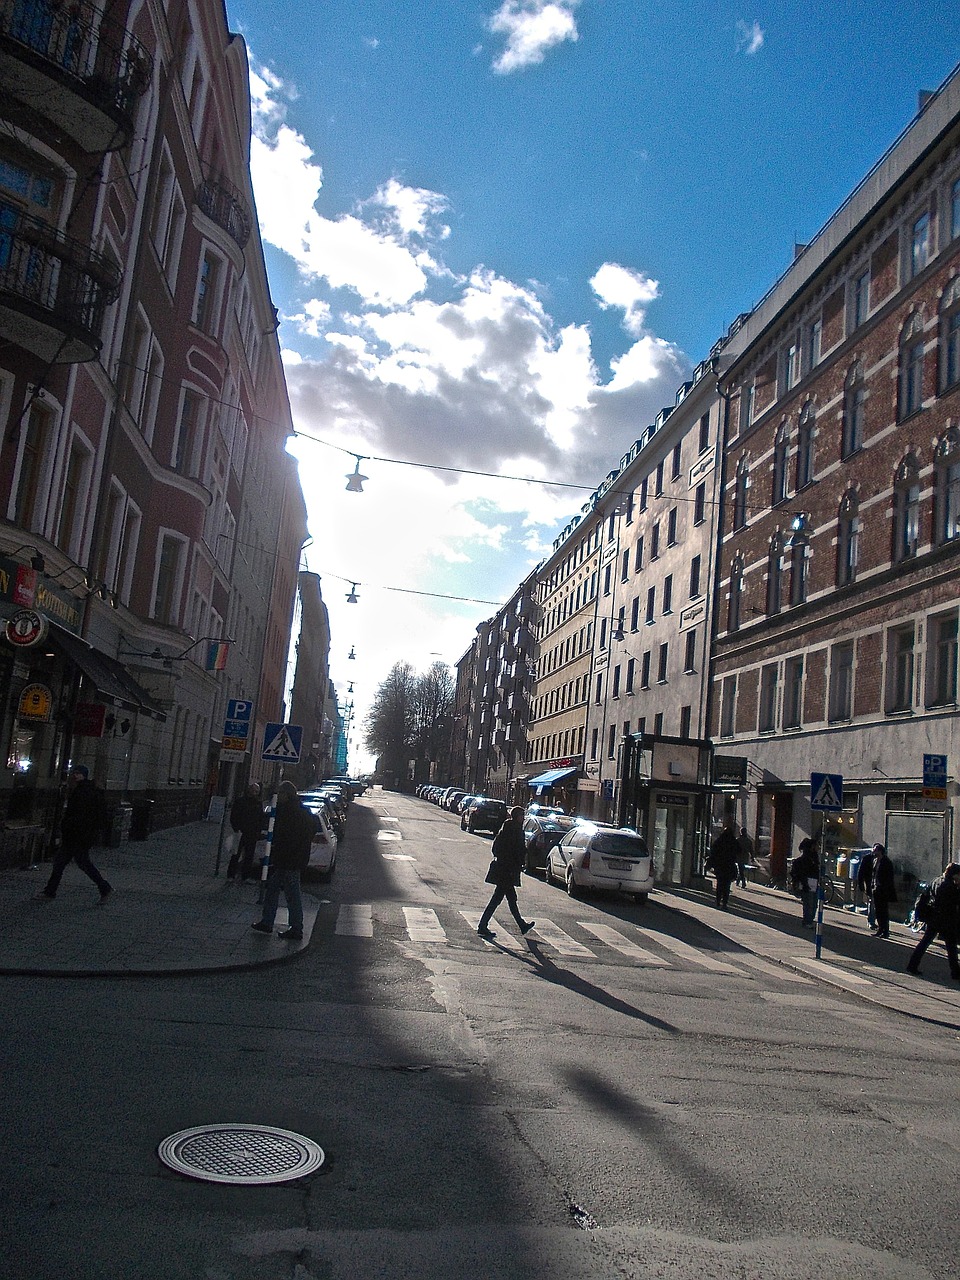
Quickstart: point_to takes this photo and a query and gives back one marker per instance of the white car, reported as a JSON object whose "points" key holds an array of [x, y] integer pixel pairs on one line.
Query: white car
{"points": [[323, 850], [591, 856]]}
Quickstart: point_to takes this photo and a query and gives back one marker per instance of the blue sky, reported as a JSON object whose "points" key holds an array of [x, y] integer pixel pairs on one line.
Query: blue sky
{"points": [[501, 233]]}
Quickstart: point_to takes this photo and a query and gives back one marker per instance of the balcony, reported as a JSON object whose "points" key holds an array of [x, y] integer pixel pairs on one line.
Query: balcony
{"points": [[76, 67], [53, 291], [221, 203]]}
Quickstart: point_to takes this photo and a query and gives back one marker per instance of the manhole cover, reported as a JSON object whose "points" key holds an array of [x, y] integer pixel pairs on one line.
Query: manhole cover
{"points": [[245, 1154]]}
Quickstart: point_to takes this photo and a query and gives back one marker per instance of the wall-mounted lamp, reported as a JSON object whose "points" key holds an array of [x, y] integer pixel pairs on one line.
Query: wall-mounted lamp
{"points": [[350, 687], [355, 479], [36, 560], [352, 598], [800, 534]]}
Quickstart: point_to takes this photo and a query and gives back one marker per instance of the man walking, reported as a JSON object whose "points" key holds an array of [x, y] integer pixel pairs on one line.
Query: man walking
{"points": [[882, 890], [293, 828], [723, 861], [744, 858], [80, 828], [805, 874], [248, 820], [944, 919], [508, 858]]}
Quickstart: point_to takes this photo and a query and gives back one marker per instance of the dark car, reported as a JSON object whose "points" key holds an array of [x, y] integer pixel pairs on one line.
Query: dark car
{"points": [[483, 814], [541, 831]]}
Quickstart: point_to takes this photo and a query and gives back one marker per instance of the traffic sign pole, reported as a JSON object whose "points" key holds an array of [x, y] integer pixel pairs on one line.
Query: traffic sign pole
{"points": [[265, 864], [823, 864]]}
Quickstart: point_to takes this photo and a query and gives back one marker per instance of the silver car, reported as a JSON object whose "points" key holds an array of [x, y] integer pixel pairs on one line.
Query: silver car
{"points": [[598, 857]]}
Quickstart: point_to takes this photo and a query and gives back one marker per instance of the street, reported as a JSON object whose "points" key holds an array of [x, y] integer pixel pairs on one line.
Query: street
{"points": [[624, 1093]]}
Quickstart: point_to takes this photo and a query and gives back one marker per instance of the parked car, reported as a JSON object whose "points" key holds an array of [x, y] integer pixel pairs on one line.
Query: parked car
{"points": [[483, 814], [591, 856], [450, 795], [323, 850], [460, 803], [317, 800], [541, 831]]}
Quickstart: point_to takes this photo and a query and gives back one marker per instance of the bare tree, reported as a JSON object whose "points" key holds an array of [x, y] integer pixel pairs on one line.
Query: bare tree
{"points": [[433, 707], [390, 726]]}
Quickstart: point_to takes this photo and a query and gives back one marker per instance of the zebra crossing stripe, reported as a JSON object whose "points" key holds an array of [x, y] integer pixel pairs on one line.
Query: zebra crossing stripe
{"points": [[619, 943], [555, 937], [355, 920], [684, 951], [423, 925]]}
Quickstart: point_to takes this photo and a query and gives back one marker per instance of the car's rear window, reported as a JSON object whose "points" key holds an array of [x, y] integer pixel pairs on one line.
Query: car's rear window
{"points": [[558, 823], [614, 842]]}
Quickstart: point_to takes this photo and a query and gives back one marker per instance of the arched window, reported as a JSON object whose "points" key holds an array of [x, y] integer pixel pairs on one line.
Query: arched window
{"points": [[947, 487], [806, 444], [906, 509], [848, 538], [854, 405], [740, 486], [736, 595], [950, 336], [775, 574], [798, 546], [910, 397], [780, 446]]}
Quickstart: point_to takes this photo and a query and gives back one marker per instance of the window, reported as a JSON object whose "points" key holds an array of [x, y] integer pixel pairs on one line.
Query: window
{"points": [[635, 613], [910, 388], [668, 593], [599, 691], [900, 669], [694, 577], [860, 299], [705, 428], [631, 670], [603, 633], [672, 527], [135, 374], [736, 595], [728, 705], [643, 493], [954, 212], [638, 556], [848, 539], [780, 447], [36, 456], [206, 310], [625, 565], [645, 671], [942, 662], [676, 464], [651, 603], [799, 553], [153, 383], [774, 574], [684, 722], [690, 652], [699, 504], [188, 431], [658, 723], [662, 663], [166, 597], [841, 681], [906, 509], [950, 336], [611, 527], [790, 367], [768, 697], [806, 445], [748, 402], [73, 504], [793, 693], [854, 410], [947, 486], [594, 741], [612, 742], [607, 576], [740, 486], [919, 244], [814, 342], [655, 541], [615, 691], [628, 514], [658, 486]]}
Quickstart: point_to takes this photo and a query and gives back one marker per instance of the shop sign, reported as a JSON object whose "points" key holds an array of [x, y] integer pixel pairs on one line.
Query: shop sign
{"points": [[88, 720], [36, 703], [672, 798], [26, 628], [730, 771]]}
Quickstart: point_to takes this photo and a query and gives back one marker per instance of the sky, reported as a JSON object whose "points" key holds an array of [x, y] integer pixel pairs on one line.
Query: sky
{"points": [[501, 234]]}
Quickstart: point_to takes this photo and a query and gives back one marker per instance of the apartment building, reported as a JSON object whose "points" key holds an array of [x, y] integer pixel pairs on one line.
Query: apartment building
{"points": [[150, 512], [836, 647]]}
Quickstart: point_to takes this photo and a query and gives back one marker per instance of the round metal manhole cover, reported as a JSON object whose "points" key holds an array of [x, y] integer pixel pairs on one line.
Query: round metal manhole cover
{"points": [[243, 1154]]}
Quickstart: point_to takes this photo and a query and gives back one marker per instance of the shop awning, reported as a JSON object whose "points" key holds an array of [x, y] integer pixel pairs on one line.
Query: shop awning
{"points": [[547, 779], [111, 678]]}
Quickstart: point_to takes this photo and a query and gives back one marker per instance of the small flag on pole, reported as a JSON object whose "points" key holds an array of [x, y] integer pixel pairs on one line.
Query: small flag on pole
{"points": [[217, 651]]}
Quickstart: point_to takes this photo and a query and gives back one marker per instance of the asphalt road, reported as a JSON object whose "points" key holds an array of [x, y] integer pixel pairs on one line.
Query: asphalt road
{"points": [[618, 1095]]}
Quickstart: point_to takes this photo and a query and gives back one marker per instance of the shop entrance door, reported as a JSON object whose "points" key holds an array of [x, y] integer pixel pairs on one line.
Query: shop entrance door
{"points": [[672, 835]]}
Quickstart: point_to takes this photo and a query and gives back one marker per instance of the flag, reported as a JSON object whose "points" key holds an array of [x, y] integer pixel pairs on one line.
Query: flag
{"points": [[217, 651]]}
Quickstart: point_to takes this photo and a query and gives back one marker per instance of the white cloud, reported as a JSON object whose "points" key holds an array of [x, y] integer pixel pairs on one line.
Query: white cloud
{"points": [[750, 37], [617, 286], [532, 27]]}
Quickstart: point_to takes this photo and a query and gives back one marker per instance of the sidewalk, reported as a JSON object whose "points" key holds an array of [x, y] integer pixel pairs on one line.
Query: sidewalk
{"points": [[766, 922], [168, 913]]}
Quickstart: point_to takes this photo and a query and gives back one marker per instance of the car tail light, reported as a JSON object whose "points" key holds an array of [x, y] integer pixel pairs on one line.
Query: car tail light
{"points": [[585, 864]]}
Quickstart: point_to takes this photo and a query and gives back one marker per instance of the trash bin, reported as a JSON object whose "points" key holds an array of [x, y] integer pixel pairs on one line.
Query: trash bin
{"points": [[141, 819], [117, 826]]}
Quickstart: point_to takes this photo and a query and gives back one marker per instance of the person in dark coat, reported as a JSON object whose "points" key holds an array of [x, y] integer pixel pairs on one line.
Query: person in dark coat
{"points": [[944, 920], [293, 830], [81, 826], [723, 860], [744, 858], [509, 853], [248, 819], [861, 891], [805, 874], [882, 890]]}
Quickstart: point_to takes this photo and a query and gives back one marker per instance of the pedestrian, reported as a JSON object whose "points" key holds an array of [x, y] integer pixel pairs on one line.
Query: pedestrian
{"points": [[861, 891], [944, 919], [723, 862], [805, 874], [81, 827], [509, 853], [882, 890], [293, 828], [248, 820], [745, 858]]}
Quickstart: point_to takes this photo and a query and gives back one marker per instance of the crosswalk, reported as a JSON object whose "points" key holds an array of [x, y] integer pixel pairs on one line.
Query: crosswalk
{"points": [[583, 939]]}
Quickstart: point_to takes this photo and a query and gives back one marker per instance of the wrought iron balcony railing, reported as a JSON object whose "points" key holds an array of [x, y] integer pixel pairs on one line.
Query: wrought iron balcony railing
{"points": [[223, 204]]}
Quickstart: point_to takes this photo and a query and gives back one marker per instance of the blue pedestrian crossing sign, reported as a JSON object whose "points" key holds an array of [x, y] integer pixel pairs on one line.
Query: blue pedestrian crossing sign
{"points": [[826, 792], [281, 743]]}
